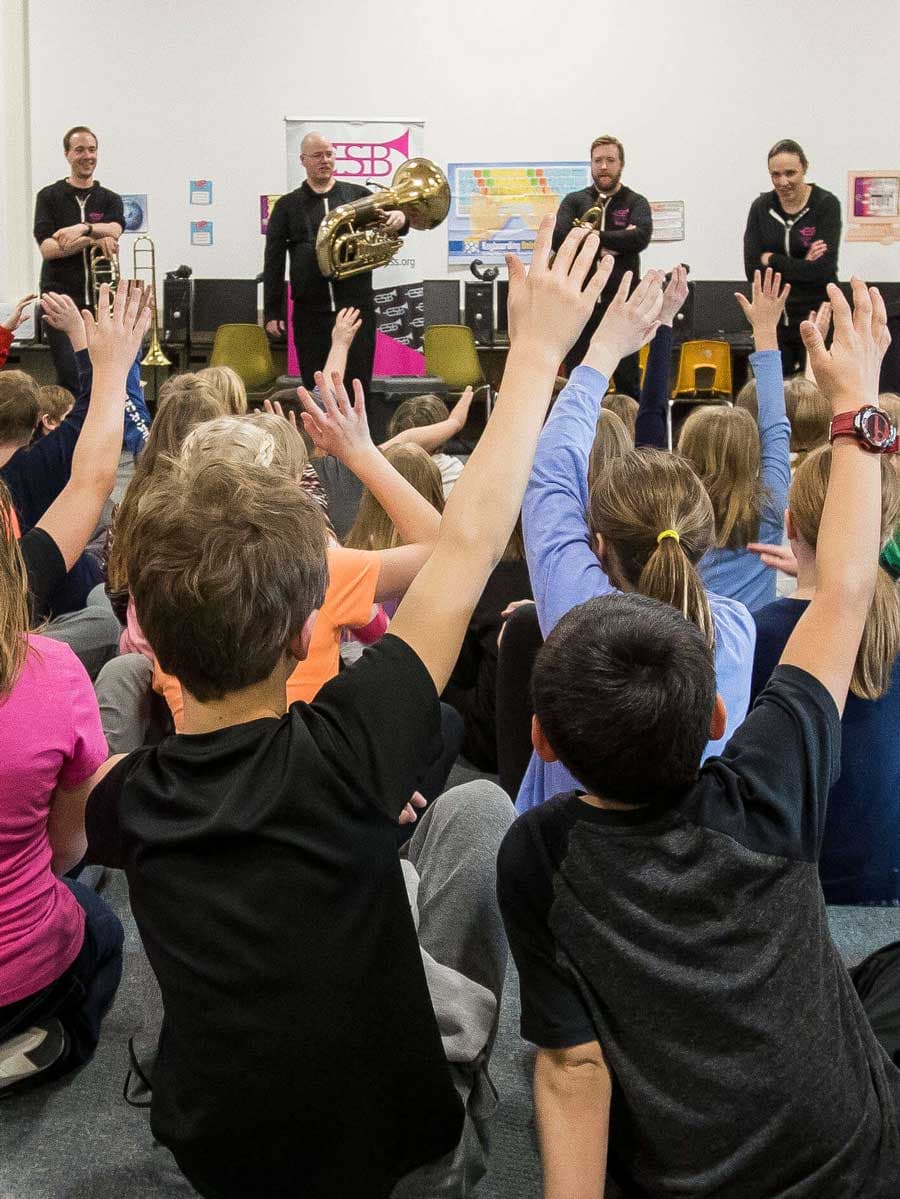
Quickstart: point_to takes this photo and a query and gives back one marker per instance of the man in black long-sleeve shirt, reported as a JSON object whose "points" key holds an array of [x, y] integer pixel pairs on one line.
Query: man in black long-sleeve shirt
{"points": [[625, 228], [293, 227]]}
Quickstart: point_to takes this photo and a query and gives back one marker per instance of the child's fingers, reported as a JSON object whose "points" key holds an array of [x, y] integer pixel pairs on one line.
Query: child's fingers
{"points": [[359, 399]]}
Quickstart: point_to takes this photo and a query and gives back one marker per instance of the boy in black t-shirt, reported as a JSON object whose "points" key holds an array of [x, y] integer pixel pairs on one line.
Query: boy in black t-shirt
{"points": [[697, 1031], [299, 1051]]}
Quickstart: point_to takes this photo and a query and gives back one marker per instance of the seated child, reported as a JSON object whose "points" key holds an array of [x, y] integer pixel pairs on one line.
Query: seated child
{"points": [[430, 412], [8, 327], [697, 1031], [373, 529], [229, 386], [55, 403], [746, 469], [299, 1044], [624, 407]]}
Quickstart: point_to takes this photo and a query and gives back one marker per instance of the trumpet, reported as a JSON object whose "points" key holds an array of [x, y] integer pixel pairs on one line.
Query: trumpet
{"points": [[154, 355], [103, 269], [351, 238]]}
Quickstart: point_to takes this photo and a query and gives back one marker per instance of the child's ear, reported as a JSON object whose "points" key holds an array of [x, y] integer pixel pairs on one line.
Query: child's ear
{"points": [[299, 645], [789, 527], [542, 746], [600, 548], [719, 719]]}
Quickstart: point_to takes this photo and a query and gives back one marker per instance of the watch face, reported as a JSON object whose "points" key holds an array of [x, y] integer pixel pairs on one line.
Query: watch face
{"points": [[876, 427]]}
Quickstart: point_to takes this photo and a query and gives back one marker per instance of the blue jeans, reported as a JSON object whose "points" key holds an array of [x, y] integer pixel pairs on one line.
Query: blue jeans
{"points": [[83, 993]]}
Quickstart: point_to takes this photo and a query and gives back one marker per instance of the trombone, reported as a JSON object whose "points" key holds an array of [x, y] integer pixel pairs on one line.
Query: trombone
{"points": [[154, 356]]}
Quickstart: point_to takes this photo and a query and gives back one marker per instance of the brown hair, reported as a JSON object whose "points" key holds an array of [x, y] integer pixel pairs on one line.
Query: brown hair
{"points": [[182, 406], [229, 385], [258, 439], [722, 445], [809, 413], [227, 563], [638, 496], [625, 407], [746, 399], [787, 145], [880, 642], [54, 402], [889, 401], [607, 139], [20, 406], [417, 412], [611, 440], [373, 529], [70, 133], [13, 599]]}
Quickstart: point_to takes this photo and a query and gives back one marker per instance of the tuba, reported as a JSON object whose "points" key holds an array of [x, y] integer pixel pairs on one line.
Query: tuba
{"points": [[351, 240], [154, 355], [103, 270]]}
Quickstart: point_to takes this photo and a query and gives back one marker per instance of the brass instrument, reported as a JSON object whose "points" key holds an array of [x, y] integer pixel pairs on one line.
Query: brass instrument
{"points": [[590, 220], [103, 269], [351, 238], [154, 355]]}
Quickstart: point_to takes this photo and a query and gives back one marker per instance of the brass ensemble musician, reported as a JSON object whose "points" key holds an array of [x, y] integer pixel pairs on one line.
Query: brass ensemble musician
{"points": [[71, 217], [623, 219], [293, 226]]}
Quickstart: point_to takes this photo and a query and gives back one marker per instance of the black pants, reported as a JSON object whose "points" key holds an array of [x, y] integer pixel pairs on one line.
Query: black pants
{"points": [[312, 337], [627, 374], [790, 343], [63, 356]]}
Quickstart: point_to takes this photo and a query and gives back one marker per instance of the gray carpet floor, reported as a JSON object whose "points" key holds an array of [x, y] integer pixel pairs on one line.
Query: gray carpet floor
{"points": [[78, 1139]]}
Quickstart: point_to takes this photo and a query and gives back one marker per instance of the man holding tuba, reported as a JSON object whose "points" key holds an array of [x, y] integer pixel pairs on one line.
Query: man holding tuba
{"points": [[623, 219], [293, 226], [72, 217]]}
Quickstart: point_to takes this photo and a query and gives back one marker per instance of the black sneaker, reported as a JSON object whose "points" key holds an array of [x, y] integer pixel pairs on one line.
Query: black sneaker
{"points": [[28, 1054]]}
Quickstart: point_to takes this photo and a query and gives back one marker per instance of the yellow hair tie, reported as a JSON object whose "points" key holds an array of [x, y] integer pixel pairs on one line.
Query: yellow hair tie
{"points": [[668, 533]]}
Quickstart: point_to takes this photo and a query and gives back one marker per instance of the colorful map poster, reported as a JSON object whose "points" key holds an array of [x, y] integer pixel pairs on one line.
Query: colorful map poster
{"points": [[496, 208]]}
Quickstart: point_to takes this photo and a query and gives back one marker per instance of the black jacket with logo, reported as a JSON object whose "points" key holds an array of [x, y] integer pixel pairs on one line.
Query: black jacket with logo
{"points": [[59, 205], [787, 237], [293, 227], [623, 208]]}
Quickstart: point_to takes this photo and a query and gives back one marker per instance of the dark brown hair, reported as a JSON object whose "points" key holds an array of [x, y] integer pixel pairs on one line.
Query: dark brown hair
{"points": [[607, 139], [70, 133], [787, 145], [20, 406]]}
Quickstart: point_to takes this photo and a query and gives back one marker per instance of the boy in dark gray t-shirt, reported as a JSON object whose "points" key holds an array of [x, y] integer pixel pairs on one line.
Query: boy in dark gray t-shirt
{"points": [[698, 1033]]}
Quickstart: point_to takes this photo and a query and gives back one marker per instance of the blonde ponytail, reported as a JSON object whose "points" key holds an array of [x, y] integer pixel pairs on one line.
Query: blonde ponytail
{"points": [[640, 500]]}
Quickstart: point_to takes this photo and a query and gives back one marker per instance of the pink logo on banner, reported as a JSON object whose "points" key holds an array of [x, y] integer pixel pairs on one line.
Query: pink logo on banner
{"points": [[370, 160], [807, 233]]}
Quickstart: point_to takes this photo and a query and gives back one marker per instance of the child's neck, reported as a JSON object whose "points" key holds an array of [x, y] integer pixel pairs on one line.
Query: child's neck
{"points": [[262, 701], [596, 802], [806, 571]]}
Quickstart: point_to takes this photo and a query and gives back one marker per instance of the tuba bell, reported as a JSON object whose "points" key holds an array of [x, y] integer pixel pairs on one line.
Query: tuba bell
{"points": [[351, 238]]}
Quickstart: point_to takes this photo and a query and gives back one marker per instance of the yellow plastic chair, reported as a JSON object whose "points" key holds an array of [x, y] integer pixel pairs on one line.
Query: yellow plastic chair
{"points": [[245, 348], [642, 362], [704, 377], [451, 355]]}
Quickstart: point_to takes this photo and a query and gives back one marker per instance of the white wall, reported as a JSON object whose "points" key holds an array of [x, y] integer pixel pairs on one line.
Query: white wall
{"points": [[697, 91]]}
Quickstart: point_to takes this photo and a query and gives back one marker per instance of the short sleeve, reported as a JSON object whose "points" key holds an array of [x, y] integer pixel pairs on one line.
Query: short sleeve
{"points": [[44, 225], [116, 210], [45, 568], [102, 815], [352, 583], [769, 788], [553, 1014], [87, 749], [378, 723]]}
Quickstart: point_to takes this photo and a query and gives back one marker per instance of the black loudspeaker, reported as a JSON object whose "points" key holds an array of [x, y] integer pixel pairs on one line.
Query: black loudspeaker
{"points": [[502, 305], [441, 298], [176, 311], [480, 311]]}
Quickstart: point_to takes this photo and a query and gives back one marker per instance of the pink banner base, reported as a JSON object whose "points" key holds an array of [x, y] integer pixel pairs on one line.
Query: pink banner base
{"points": [[391, 357]]}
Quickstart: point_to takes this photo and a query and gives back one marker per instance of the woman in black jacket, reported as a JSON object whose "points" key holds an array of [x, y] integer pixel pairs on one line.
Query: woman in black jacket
{"points": [[795, 229]]}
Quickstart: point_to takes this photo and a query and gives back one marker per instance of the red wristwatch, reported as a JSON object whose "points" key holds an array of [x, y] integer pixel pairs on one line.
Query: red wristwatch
{"points": [[870, 426]]}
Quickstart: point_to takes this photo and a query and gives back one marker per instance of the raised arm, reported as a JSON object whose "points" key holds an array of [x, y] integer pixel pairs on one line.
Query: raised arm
{"points": [[432, 437], [547, 309], [113, 341], [826, 639], [651, 426], [764, 310], [346, 326]]}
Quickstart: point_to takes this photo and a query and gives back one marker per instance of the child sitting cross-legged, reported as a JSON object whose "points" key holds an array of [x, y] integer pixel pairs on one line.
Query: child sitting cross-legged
{"points": [[299, 1046], [697, 1031]]}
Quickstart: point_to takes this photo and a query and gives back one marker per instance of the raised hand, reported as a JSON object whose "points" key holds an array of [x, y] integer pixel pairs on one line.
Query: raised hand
{"points": [[17, 316], [114, 336], [628, 323], [816, 251], [767, 299], [550, 305], [822, 320], [61, 312], [339, 427], [277, 410], [674, 296], [460, 413], [848, 373], [346, 326]]}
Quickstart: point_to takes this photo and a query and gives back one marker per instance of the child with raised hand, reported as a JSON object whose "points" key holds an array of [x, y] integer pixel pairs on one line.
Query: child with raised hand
{"points": [[745, 466], [266, 884], [666, 918], [651, 423], [8, 327], [60, 944], [644, 526]]}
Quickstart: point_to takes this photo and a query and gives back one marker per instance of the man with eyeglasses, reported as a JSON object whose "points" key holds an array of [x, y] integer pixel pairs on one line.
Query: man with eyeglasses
{"points": [[293, 226]]}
